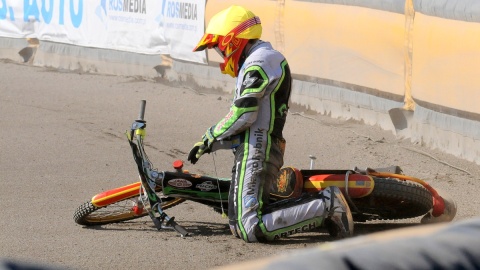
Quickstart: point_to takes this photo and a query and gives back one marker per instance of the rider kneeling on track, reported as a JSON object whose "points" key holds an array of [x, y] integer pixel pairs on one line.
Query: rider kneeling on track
{"points": [[256, 118]]}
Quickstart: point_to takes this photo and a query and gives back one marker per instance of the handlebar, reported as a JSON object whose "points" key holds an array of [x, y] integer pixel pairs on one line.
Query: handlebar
{"points": [[141, 115]]}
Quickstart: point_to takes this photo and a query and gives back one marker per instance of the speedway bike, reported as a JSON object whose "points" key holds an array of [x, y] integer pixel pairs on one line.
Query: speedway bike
{"points": [[372, 194]]}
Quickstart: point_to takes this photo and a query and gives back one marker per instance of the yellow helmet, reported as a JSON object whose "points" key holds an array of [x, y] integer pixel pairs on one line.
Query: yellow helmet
{"points": [[228, 32]]}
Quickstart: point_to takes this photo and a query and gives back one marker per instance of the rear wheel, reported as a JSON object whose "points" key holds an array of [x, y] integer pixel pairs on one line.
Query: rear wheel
{"points": [[122, 210], [392, 198]]}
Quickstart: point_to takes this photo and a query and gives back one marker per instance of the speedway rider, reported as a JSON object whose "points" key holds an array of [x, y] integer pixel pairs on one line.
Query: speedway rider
{"points": [[257, 117]]}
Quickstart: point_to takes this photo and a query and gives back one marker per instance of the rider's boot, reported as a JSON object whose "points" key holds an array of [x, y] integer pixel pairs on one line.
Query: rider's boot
{"points": [[338, 219]]}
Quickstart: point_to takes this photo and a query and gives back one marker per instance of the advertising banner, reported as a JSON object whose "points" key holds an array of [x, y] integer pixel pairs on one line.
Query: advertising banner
{"points": [[140, 26], [13, 24]]}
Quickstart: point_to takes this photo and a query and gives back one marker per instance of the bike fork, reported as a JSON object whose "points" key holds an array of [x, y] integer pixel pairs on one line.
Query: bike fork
{"points": [[163, 221]]}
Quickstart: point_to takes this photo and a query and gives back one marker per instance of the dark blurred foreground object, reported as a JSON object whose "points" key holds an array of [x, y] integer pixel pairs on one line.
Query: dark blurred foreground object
{"points": [[8, 264], [440, 246]]}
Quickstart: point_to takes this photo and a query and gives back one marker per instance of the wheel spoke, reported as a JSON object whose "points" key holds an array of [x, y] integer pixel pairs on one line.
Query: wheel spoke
{"points": [[89, 215]]}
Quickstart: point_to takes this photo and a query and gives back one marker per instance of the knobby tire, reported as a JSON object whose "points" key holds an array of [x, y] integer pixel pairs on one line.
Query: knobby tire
{"points": [[88, 214], [393, 199]]}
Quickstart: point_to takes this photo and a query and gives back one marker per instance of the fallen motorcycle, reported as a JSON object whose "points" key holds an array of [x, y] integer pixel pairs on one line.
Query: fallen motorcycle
{"points": [[372, 194]]}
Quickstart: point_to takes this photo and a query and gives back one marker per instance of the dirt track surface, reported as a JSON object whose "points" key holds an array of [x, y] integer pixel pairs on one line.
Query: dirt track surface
{"points": [[63, 142]]}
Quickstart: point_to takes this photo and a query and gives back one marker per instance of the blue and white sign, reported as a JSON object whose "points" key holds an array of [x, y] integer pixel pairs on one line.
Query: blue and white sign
{"points": [[140, 26]]}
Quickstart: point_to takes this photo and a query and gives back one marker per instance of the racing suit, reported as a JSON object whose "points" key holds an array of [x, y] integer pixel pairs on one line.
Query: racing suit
{"points": [[257, 116]]}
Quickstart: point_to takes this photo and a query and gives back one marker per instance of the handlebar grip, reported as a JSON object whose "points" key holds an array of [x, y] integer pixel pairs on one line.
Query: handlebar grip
{"points": [[179, 229], [171, 222], [141, 115]]}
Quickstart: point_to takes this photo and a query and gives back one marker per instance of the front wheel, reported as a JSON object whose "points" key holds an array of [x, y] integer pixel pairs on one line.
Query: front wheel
{"points": [[392, 199], [116, 210]]}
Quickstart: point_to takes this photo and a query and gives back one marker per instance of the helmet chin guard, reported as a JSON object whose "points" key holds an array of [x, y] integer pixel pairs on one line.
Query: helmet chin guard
{"points": [[232, 52]]}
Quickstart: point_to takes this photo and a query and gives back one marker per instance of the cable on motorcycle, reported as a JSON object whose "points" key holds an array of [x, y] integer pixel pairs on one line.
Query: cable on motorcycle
{"points": [[218, 184]]}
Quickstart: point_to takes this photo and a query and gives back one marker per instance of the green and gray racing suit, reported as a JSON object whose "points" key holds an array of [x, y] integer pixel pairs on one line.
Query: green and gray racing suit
{"points": [[257, 116]]}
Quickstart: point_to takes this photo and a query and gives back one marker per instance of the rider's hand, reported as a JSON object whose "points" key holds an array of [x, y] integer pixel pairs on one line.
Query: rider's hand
{"points": [[202, 147], [197, 151]]}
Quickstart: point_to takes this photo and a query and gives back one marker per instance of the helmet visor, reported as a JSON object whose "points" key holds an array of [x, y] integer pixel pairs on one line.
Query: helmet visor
{"points": [[207, 41]]}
